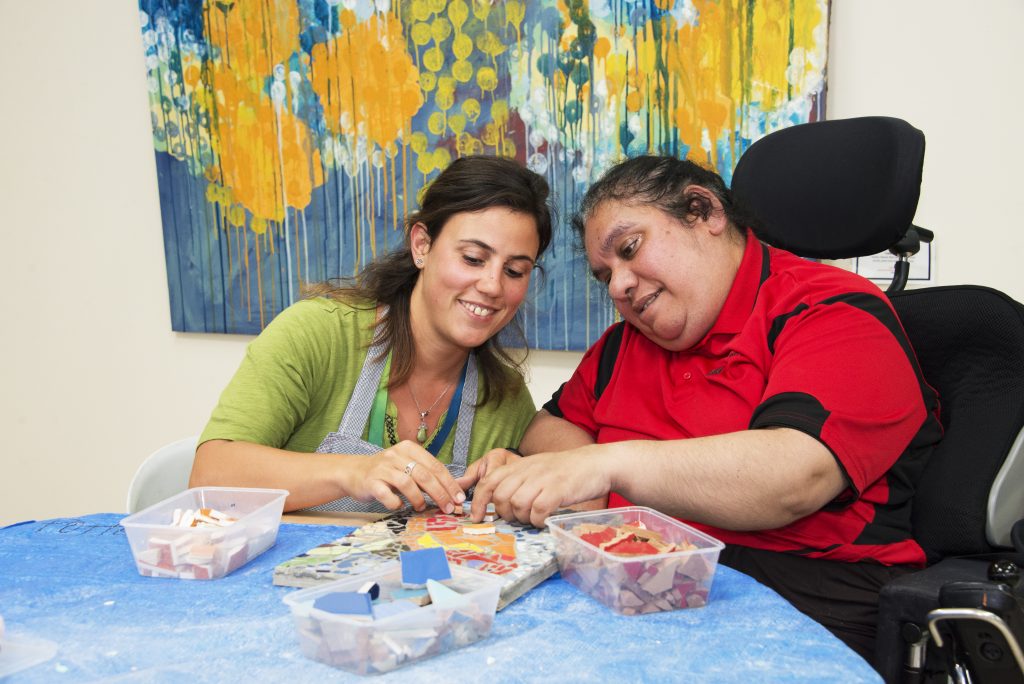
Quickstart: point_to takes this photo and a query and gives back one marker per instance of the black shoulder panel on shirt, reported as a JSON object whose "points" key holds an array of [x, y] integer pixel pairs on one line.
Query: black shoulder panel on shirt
{"points": [[609, 355], [876, 306], [605, 367], [871, 304], [766, 265], [797, 410], [552, 404], [780, 322]]}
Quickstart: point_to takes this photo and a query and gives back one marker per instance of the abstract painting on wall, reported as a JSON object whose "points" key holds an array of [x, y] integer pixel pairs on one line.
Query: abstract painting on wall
{"points": [[293, 136]]}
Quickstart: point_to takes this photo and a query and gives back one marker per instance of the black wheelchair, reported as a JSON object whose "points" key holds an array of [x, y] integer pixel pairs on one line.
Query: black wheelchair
{"points": [[849, 188]]}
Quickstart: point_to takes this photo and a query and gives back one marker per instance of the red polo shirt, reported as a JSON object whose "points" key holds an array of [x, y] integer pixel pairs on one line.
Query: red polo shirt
{"points": [[797, 344]]}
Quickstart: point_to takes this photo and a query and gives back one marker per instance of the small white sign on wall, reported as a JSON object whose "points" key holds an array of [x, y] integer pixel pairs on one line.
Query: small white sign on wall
{"points": [[880, 266]]}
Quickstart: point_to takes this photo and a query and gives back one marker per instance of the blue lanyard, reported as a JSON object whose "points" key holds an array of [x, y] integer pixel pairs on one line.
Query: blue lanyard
{"points": [[450, 416]]}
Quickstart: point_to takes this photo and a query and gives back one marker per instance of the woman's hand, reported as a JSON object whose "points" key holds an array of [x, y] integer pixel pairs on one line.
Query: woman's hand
{"points": [[406, 469]]}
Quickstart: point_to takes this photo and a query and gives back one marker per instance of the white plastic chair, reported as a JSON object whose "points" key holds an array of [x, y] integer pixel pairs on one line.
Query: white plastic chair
{"points": [[164, 473]]}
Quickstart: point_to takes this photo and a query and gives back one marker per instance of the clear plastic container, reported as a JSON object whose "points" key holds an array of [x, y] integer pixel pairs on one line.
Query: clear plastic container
{"points": [[18, 653], [162, 549], [370, 646], [637, 584]]}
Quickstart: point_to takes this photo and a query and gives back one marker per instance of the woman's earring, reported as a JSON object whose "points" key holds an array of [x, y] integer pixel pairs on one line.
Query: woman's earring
{"points": [[419, 261]]}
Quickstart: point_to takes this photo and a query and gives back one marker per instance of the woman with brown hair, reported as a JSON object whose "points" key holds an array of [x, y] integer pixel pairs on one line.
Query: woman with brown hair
{"points": [[391, 384]]}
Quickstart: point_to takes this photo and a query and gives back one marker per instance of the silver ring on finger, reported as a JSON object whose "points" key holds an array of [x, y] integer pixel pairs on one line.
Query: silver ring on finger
{"points": [[409, 467]]}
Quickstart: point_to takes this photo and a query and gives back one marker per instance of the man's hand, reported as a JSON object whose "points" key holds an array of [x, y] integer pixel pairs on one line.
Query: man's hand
{"points": [[531, 489], [489, 462]]}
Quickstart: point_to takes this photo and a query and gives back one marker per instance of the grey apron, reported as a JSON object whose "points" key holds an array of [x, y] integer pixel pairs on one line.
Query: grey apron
{"points": [[348, 438]]}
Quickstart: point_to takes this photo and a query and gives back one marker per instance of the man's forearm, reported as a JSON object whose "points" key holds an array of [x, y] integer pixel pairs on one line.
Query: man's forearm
{"points": [[747, 480]]}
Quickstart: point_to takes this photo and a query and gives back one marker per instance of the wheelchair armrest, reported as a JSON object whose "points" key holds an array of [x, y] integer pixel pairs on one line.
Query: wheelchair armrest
{"points": [[975, 596], [903, 607]]}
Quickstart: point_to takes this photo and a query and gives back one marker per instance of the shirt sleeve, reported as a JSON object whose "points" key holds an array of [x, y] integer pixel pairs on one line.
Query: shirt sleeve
{"points": [[520, 410], [269, 395], [576, 400], [844, 373], [499, 425]]}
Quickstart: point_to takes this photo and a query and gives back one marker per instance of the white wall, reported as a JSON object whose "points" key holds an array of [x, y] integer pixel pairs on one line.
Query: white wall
{"points": [[953, 70], [91, 377]]}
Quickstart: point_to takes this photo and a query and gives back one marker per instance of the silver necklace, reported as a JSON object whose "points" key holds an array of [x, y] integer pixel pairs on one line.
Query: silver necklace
{"points": [[421, 433]]}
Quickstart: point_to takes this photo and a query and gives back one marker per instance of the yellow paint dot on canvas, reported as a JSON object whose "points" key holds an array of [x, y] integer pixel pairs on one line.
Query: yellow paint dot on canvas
{"points": [[469, 145], [462, 71], [489, 44], [444, 99], [471, 108], [440, 29], [418, 142], [419, 10], [427, 81], [514, 12], [425, 163], [491, 135], [420, 33], [487, 79], [446, 84], [433, 59], [481, 8], [213, 193], [442, 158], [458, 12], [236, 215], [435, 123], [462, 46], [457, 123]]}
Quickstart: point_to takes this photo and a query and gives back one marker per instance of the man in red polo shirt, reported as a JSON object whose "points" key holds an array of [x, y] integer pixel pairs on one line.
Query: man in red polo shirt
{"points": [[771, 401]]}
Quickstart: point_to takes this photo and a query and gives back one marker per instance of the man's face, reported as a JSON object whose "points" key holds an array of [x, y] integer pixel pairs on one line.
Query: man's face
{"points": [[667, 278]]}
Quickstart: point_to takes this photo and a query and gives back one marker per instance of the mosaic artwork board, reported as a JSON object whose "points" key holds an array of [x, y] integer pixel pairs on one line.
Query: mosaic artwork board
{"points": [[525, 556]]}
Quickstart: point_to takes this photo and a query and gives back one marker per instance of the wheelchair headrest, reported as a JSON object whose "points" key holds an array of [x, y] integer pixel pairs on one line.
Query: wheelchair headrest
{"points": [[833, 189]]}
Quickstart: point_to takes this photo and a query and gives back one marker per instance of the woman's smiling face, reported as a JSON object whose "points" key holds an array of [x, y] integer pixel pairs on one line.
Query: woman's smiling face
{"points": [[475, 274], [668, 278]]}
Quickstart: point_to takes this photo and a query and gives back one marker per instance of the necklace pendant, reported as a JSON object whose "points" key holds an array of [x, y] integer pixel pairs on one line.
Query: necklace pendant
{"points": [[421, 433]]}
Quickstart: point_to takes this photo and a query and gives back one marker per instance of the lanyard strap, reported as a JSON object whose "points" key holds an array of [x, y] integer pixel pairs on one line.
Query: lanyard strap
{"points": [[375, 432], [450, 416]]}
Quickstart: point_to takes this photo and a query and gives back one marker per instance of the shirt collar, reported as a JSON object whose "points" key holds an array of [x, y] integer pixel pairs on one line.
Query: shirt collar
{"points": [[753, 271]]}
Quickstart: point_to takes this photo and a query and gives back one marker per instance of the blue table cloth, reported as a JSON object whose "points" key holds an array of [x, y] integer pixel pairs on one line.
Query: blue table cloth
{"points": [[73, 581]]}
